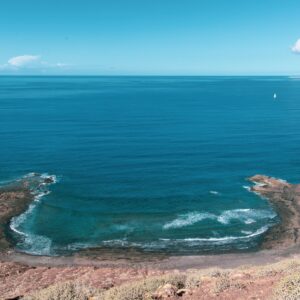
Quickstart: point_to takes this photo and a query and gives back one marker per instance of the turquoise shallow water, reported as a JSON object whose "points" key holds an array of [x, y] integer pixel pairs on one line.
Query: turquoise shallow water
{"points": [[156, 163]]}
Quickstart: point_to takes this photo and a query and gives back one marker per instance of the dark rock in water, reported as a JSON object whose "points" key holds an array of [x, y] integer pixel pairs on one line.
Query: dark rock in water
{"points": [[48, 180]]}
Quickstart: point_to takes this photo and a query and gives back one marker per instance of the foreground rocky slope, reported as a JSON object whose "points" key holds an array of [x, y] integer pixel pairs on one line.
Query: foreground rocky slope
{"points": [[273, 281]]}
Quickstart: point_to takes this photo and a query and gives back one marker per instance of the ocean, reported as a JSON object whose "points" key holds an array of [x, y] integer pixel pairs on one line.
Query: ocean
{"points": [[159, 164]]}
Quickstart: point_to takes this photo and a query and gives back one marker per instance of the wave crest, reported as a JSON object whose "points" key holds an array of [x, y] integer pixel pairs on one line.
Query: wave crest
{"points": [[247, 216], [188, 219], [30, 242], [187, 244]]}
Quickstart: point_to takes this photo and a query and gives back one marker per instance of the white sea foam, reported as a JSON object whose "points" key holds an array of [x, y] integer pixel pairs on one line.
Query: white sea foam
{"points": [[188, 219], [16, 222], [246, 232], [246, 216], [126, 228], [214, 192], [249, 221], [79, 246], [37, 244], [163, 243], [34, 243], [224, 239], [247, 187]]}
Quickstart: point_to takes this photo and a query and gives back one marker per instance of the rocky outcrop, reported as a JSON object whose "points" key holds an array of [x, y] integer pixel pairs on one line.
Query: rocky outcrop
{"points": [[13, 201], [15, 198], [285, 198]]}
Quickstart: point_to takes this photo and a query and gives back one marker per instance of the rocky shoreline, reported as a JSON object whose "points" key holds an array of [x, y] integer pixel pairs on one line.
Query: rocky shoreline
{"points": [[15, 198], [285, 198], [22, 274], [13, 201]]}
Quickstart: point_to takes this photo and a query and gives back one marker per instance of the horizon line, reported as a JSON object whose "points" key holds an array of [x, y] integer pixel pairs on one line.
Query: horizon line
{"points": [[147, 75]]}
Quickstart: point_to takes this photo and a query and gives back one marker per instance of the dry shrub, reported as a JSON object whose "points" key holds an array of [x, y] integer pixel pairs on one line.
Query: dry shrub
{"points": [[193, 280], [214, 273], [288, 288], [288, 266], [239, 285], [140, 290], [222, 283], [71, 290], [266, 272]]}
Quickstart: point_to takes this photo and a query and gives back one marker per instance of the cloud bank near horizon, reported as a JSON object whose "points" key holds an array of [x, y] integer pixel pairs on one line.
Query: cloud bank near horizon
{"points": [[23, 60], [34, 64], [29, 62]]}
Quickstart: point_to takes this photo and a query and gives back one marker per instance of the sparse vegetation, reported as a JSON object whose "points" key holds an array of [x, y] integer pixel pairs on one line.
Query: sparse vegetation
{"points": [[222, 283], [193, 280], [288, 288], [281, 281], [140, 290], [284, 267], [71, 290]]}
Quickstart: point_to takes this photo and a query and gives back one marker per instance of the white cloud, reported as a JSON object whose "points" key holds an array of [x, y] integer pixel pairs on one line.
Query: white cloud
{"points": [[23, 60], [296, 47], [31, 63]]}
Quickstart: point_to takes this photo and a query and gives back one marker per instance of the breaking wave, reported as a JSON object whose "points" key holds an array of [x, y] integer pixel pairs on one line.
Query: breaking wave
{"points": [[247, 216], [187, 244], [188, 219], [214, 192], [42, 245], [34, 243], [226, 238]]}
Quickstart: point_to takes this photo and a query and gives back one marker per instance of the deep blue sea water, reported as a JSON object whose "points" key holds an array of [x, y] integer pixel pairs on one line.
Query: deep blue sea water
{"points": [[156, 163]]}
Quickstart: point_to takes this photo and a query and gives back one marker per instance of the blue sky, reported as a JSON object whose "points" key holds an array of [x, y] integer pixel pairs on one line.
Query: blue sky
{"points": [[150, 37]]}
